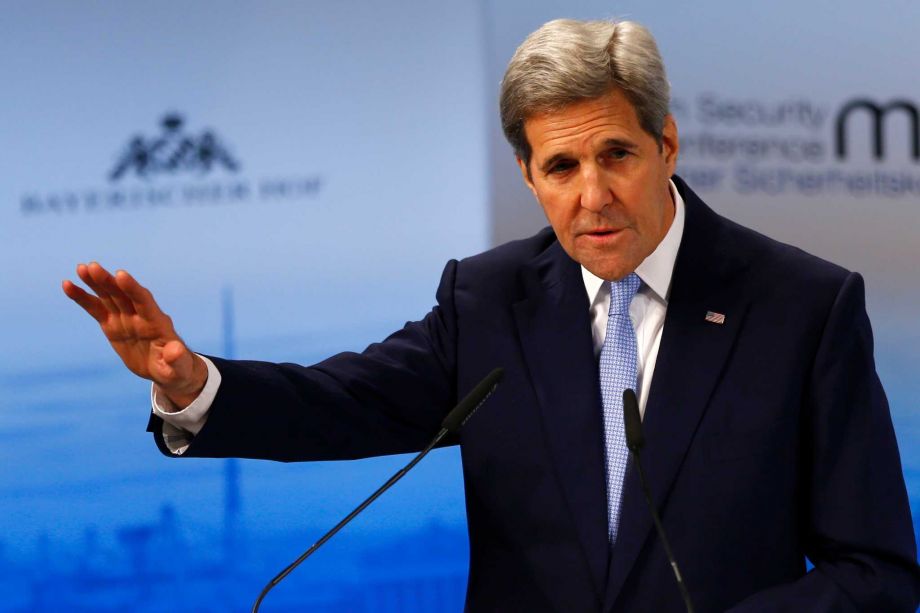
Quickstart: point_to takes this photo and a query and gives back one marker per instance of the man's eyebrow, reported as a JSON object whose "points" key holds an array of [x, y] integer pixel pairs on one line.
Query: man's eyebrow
{"points": [[621, 143], [608, 144]]}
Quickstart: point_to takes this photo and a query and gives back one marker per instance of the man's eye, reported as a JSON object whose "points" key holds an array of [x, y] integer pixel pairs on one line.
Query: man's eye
{"points": [[618, 154], [561, 167]]}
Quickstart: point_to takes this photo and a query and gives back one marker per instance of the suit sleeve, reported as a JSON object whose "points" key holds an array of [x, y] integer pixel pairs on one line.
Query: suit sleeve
{"points": [[856, 522], [390, 398]]}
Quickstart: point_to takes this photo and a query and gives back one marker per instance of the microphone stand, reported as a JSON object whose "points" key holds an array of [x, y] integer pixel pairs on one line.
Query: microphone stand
{"points": [[452, 423], [399, 475], [635, 441]]}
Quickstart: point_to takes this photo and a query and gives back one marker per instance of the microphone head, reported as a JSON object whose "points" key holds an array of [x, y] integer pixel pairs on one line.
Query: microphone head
{"points": [[632, 421], [465, 409]]}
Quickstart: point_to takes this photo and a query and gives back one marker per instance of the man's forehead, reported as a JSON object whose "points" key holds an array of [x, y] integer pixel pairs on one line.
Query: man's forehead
{"points": [[610, 117]]}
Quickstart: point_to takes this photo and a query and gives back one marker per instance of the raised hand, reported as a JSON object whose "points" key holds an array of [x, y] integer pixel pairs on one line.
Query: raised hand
{"points": [[140, 333]]}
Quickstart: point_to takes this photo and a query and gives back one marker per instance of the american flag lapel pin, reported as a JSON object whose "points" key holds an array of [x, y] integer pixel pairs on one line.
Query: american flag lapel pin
{"points": [[715, 318]]}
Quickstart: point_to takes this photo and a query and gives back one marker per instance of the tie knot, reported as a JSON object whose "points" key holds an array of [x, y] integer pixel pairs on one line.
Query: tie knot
{"points": [[622, 293]]}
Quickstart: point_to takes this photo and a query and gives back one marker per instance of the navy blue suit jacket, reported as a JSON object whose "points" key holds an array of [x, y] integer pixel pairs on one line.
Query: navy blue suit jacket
{"points": [[768, 437]]}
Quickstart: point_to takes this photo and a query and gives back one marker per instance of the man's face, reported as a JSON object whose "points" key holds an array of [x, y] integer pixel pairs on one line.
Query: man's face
{"points": [[602, 182]]}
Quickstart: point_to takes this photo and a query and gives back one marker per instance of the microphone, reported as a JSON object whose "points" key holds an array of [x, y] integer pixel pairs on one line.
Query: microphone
{"points": [[635, 441], [455, 420]]}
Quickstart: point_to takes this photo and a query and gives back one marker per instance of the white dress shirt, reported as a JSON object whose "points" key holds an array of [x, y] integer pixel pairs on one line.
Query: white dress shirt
{"points": [[647, 311]]}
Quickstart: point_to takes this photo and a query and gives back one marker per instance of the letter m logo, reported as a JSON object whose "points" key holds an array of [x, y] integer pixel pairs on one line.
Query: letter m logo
{"points": [[878, 114]]}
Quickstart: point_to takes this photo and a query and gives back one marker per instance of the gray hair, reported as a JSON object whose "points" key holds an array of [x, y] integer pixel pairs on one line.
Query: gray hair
{"points": [[567, 61]]}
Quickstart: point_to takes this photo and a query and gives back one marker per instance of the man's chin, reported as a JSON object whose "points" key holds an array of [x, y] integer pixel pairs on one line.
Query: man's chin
{"points": [[608, 271]]}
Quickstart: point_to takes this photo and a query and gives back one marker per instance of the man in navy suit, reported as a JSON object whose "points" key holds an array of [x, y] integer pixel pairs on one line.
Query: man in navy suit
{"points": [[768, 437]]}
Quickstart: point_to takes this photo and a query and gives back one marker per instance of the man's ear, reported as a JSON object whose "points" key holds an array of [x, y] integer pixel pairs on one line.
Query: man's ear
{"points": [[526, 175], [670, 143]]}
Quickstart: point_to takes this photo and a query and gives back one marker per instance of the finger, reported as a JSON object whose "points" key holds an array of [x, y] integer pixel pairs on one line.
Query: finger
{"points": [[106, 281], [83, 271], [140, 297], [89, 303]]}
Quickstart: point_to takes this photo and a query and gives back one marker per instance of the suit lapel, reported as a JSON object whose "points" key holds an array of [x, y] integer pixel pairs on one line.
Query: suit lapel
{"points": [[553, 322], [691, 357]]}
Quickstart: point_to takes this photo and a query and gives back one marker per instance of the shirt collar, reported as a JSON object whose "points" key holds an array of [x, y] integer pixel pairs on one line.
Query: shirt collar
{"points": [[655, 270]]}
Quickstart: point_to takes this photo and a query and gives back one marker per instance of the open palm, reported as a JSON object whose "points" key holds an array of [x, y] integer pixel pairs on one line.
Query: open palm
{"points": [[141, 334]]}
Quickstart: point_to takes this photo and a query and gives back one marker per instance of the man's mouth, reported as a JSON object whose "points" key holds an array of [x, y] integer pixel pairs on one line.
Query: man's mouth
{"points": [[602, 237], [602, 232]]}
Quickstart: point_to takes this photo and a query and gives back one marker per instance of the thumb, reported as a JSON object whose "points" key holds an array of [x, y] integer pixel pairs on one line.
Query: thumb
{"points": [[174, 352], [182, 381], [175, 364]]}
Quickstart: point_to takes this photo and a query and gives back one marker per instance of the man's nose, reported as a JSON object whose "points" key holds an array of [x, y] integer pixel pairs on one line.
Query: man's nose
{"points": [[595, 191]]}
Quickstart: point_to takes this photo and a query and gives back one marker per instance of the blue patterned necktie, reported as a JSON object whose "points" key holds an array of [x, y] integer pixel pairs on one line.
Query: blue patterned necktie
{"points": [[618, 371]]}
